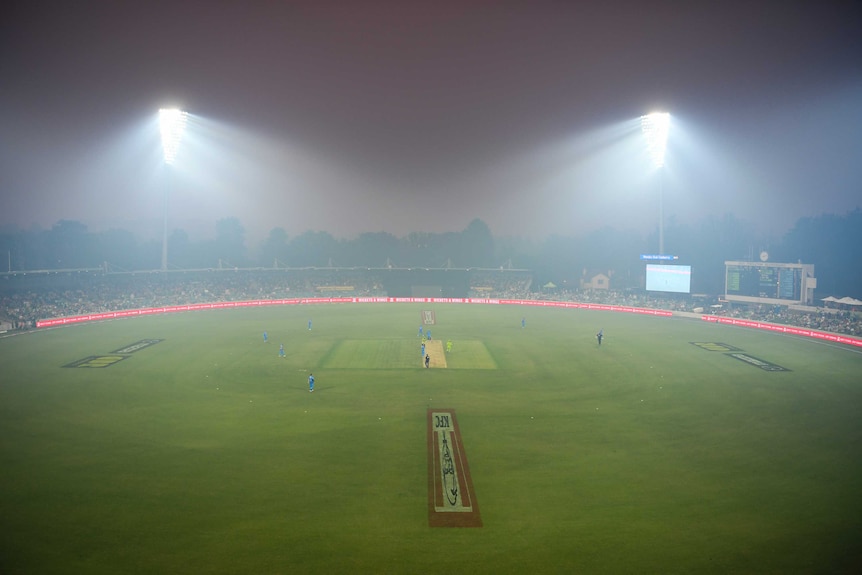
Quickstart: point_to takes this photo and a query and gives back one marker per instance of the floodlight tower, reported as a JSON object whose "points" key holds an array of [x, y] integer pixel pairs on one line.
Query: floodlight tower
{"points": [[655, 128], [172, 122]]}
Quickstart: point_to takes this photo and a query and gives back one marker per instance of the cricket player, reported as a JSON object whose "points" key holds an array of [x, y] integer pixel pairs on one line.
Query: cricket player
{"points": [[600, 335], [449, 346], [423, 350], [523, 322], [311, 382], [309, 325], [281, 350], [265, 338], [427, 361], [420, 331]]}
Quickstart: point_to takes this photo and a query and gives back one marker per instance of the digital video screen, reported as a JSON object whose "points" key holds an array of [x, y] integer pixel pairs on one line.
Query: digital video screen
{"points": [[667, 278]]}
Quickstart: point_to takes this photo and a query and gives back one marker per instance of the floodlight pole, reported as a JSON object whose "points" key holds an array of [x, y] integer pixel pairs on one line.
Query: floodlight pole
{"points": [[661, 211], [172, 123], [165, 227], [655, 127]]}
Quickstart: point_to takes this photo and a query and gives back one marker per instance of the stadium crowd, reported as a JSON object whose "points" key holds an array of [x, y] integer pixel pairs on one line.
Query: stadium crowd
{"points": [[833, 321], [25, 301], [27, 298]]}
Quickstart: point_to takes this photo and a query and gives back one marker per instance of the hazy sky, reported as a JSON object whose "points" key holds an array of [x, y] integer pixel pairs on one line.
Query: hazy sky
{"points": [[405, 116]]}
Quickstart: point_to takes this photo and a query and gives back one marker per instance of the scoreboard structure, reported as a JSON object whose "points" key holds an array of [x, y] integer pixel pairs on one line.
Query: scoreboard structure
{"points": [[770, 283]]}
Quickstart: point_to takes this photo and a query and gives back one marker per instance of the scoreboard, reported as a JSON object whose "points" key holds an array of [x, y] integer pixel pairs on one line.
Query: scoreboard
{"points": [[757, 281]]}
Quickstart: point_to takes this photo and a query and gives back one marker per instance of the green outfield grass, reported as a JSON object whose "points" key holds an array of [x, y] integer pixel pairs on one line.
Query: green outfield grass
{"points": [[470, 354], [205, 453]]}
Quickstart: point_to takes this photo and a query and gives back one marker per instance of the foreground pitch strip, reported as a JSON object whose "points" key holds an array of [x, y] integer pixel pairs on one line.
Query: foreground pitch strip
{"points": [[451, 497]]}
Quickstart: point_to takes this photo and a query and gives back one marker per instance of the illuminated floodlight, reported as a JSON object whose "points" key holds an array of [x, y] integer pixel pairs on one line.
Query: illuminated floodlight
{"points": [[172, 122], [655, 128]]}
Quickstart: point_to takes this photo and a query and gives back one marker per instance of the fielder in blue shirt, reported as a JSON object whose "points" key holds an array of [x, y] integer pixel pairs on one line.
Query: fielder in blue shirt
{"points": [[310, 382], [281, 350], [264, 337]]}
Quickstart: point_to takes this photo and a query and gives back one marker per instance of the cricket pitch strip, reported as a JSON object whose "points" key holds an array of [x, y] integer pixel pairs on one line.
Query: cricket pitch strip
{"points": [[451, 497], [434, 350]]}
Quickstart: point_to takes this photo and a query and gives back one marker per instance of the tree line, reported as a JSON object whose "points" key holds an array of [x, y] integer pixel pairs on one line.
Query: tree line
{"points": [[833, 243]]}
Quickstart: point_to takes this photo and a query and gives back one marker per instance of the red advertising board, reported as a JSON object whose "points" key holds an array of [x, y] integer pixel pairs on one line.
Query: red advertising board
{"points": [[837, 338]]}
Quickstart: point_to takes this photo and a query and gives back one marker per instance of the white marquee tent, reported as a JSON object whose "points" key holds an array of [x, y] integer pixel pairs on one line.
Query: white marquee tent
{"points": [[843, 301]]}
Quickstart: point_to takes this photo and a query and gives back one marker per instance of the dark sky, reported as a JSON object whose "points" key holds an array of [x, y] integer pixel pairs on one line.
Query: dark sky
{"points": [[405, 116]]}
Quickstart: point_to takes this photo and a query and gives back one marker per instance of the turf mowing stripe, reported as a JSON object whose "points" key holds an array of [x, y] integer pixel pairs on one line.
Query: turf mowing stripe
{"points": [[451, 497]]}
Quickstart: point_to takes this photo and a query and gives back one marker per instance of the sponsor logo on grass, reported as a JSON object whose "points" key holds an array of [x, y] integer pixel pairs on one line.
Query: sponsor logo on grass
{"points": [[714, 346], [137, 346], [451, 498], [97, 361], [764, 365], [429, 317]]}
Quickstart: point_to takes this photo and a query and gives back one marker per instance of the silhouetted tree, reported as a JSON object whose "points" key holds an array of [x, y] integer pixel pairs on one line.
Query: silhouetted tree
{"points": [[182, 253], [10, 247], [71, 246], [230, 242], [833, 243], [706, 248], [477, 246], [559, 259], [313, 249], [119, 248], [616, 252], [275, 248], [371, 249], [520, 252]]}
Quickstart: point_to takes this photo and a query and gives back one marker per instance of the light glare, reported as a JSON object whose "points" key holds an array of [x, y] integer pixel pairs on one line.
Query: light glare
{"points": [[655, 128], [172, 122]]}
